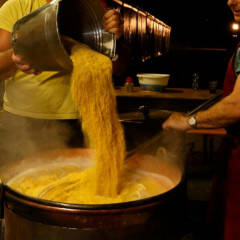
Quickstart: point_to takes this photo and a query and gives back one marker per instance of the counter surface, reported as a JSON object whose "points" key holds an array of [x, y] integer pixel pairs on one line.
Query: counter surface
{"points": [[168, 93], [172, 99]]}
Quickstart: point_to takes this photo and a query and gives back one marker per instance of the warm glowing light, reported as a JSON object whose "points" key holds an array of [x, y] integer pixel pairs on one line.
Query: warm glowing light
{"points": [[235, 26]]}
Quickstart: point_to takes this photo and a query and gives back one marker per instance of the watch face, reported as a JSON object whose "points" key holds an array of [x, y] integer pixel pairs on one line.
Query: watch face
{"points": [[192, 121]]}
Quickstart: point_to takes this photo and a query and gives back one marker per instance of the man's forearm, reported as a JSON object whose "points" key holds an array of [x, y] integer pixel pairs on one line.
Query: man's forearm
{"points": [[222, 114], [7, 67]]}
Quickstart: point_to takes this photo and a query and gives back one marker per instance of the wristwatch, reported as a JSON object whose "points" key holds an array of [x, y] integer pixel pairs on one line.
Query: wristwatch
{"points": [[192, 121]]}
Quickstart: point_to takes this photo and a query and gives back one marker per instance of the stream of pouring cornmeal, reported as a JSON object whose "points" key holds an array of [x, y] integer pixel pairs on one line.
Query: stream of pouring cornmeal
{"points": [[107, 181]]}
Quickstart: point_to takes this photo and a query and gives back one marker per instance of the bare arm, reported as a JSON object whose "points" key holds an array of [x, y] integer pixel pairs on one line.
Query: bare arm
{"points": [[113, 23], [7, 67], [222, 114]]}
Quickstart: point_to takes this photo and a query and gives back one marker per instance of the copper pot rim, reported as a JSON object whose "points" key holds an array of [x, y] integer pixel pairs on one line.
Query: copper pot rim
{"points": [[9, 193]]}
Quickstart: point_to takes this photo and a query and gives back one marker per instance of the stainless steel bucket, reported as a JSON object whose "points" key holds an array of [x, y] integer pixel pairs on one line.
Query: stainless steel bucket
{"points": [[37, 36]]}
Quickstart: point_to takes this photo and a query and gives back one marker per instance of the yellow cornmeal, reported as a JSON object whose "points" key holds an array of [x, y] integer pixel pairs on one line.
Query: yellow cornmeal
{"points": [[69, 184], [94, 96], [105, 182]]}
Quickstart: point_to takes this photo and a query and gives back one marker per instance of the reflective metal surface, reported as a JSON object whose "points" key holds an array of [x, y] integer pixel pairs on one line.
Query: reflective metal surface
{"points": [[37, 36], [148, 35], [146, 219]]}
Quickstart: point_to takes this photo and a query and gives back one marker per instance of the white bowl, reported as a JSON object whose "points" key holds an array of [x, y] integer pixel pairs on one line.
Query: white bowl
{"points": [[153, 81]]}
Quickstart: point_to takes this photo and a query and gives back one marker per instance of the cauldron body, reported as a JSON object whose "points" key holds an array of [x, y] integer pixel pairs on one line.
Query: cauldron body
{"points": [[158, 217]]}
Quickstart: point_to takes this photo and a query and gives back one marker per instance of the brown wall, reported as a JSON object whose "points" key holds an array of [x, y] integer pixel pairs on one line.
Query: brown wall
{"points": [[2, 2]]}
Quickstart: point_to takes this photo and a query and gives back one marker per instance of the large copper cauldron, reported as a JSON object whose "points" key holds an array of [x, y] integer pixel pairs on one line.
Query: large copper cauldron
{"points": [[157, 217]]}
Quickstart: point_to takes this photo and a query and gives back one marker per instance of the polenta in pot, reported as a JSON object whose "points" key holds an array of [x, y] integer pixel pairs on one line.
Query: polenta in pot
{"points": [[107, 180]]}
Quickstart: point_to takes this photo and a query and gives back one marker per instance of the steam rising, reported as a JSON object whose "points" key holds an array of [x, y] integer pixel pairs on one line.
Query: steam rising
{"points": [[174, 143], [168, 145], [22, 137]]}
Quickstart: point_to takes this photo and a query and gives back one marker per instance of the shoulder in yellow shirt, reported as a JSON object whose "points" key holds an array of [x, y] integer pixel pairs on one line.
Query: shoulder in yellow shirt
{"points": [[13, 10], [45, 96]]}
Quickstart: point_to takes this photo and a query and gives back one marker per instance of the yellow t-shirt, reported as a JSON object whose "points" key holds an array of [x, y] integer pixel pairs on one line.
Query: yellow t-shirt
{"points": [[43, 96]]}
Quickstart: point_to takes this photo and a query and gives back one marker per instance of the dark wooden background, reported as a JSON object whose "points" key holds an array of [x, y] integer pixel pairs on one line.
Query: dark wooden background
{"points": [[201, 41]]}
